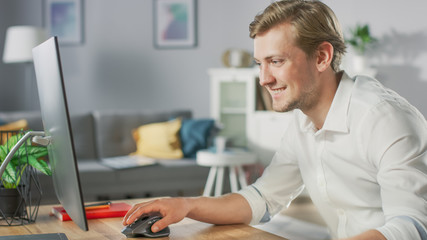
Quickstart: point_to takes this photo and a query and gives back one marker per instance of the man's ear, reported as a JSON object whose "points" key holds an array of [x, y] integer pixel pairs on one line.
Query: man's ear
{"points": [[325, 53]]}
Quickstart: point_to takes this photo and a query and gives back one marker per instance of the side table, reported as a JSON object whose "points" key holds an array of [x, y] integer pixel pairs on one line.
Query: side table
{"points": [[232, 158]]}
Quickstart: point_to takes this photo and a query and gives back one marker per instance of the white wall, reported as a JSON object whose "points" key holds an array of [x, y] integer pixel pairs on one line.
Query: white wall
{"points": [[401, 28], [12, 84], [118, 67]]}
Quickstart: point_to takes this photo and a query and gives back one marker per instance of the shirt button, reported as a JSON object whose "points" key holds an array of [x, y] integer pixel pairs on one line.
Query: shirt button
{"points": [[341, 212]]}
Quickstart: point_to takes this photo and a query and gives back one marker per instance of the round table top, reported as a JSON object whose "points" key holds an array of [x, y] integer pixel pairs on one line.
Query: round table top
{"points": [[230, 157]]}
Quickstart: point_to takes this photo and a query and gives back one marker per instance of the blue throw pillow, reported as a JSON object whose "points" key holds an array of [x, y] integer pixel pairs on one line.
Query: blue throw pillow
{"points": [[194, 135]]}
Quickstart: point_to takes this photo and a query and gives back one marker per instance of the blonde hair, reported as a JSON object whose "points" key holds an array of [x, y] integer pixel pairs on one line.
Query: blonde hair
{"points": [[313, 21]]}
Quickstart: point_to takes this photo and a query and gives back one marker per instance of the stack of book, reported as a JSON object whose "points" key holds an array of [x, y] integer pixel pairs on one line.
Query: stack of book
{"points": [[101, 211]]}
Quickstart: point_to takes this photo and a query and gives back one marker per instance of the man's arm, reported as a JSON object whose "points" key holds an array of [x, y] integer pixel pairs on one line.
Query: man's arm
{"points": [[228, 209], [396, 146]]}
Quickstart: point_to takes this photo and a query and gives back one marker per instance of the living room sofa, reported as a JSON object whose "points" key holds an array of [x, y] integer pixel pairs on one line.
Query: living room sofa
{"points": [[108, 133]]}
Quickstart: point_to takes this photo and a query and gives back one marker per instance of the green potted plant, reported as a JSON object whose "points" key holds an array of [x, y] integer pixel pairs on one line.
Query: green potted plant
{"points": [[27, 155], [360, 38]]}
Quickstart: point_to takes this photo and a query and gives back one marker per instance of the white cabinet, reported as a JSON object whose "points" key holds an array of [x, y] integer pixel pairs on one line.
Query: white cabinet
{"points": [[233, 104], [231, 91]]}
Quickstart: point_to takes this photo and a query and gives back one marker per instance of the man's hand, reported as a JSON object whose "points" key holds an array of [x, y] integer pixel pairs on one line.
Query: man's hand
{"points": [[173, 210], [228, 209]]}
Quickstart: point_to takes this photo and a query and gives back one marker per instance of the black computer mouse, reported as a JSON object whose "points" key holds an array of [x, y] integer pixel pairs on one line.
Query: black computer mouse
{"points": [[142, 227]]}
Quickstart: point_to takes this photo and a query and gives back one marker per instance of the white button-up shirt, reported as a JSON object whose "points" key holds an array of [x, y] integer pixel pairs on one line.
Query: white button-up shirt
{"points": [[365, 169]]}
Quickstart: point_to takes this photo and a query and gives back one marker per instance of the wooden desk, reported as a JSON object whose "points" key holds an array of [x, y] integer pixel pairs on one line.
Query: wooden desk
{"points": [[110, 228]]}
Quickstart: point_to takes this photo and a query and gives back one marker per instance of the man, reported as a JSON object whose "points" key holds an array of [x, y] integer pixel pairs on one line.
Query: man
{"points": [[358, 148]]}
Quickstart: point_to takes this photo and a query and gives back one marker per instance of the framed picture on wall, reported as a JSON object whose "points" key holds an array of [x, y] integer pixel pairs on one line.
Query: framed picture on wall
{"points": [[63, 18], [175, 23]]}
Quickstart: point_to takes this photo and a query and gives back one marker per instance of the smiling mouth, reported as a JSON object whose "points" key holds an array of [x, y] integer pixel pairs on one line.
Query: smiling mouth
{"points": [[277, 90]]}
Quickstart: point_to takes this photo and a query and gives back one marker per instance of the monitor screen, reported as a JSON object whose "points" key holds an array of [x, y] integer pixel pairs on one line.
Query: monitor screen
{"points": [[56, 123]]}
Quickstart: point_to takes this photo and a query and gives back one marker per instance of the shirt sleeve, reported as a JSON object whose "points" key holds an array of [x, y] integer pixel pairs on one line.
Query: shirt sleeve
{"points": [[257, 203], [397, 147], [280, 183], [403, 228]]}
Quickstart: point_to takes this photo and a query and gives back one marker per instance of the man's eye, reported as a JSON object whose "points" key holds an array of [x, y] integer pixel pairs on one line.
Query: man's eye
{"points": [[276, 62]]}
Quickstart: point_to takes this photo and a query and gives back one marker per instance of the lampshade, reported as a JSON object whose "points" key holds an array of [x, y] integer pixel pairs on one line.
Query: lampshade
{"points": [[20, 40]]}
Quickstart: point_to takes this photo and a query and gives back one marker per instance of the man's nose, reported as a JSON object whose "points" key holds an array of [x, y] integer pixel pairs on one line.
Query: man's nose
{"points": [[265, 76]]}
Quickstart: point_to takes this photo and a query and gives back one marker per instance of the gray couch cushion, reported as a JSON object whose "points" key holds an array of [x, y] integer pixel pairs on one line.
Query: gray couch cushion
{"points": [[113, 128]]}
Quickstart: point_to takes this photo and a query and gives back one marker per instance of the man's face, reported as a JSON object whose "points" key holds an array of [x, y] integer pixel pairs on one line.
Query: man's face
{"points": [[285, 70]]}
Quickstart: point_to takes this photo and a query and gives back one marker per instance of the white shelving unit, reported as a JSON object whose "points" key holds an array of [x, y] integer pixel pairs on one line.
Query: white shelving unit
{"points": [[233, 104]]}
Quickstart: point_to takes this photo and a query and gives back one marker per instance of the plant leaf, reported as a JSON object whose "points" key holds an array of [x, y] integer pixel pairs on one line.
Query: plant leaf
{"points": [[33, 150], [40, 165], [3, 153], [12, 141], [9, 174], [46, 167]]}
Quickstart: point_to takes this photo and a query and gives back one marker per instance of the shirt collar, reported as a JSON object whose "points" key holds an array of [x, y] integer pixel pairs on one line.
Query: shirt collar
{"points": [[336, 119]]}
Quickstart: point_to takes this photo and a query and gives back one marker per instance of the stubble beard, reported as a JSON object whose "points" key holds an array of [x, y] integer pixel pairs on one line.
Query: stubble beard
{"points": [[306, 101]]}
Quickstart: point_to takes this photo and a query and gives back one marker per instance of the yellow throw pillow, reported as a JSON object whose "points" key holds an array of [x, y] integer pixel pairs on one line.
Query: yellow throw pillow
{"points": [[159, 140]]}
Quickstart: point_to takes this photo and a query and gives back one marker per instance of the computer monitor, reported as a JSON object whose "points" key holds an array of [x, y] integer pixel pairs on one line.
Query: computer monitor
{"points": [[56, 123]]}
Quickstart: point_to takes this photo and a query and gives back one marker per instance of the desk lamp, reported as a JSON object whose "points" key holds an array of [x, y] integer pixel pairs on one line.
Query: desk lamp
{"points": [[19, 42]]}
